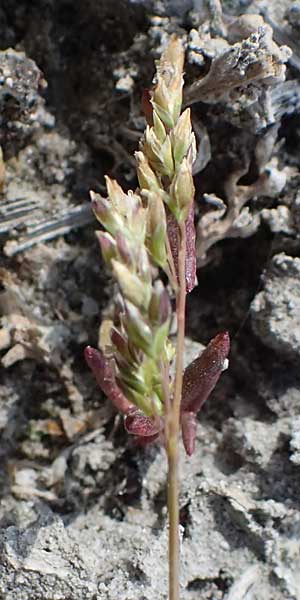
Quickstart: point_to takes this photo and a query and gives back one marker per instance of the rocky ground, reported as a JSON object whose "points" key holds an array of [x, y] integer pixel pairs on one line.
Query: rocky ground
{"points": [[82, 509]]}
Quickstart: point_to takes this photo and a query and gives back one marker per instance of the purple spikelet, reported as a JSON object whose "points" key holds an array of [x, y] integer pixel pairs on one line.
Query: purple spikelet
{"points": [[136, 423], [103, 370], [146, 429], [199, 379]]}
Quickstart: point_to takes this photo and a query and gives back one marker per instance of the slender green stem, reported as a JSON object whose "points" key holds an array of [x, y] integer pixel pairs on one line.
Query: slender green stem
{"points": [[173, 428], [173, 509]]}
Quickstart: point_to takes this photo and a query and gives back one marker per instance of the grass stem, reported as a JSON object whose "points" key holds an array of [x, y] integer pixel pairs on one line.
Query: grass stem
{"points": [[173, 426]]}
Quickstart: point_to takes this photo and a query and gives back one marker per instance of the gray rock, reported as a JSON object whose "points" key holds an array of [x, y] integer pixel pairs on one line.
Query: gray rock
{"points": [[252, 439], [276, 310], [293, 14], [284, 553], [295, 441], [42, 563]]}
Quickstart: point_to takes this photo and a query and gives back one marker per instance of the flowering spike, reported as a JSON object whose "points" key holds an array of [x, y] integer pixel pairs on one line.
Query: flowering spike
{"points": [[104, 214], [160, 306], [108, 246], [132, 368], [159, 128], [182, 136], [137, 329], [182, 189], [147, 229], [124, 249], [167, 94], [131, 285], [156, 229], [117, 197], [120, 343], [146, 176], [102, 368]]}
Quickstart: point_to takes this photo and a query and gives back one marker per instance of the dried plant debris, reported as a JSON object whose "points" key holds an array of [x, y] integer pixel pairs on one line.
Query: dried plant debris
{"points": [[30, 216], [246, 80], [234, 218], [245, 66], [282, 17]]}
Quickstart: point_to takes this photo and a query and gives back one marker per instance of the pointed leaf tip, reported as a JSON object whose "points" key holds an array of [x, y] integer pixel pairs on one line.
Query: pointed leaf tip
{"points": [[222, 343], [199, 379], [201, 375], [93, 357]]}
